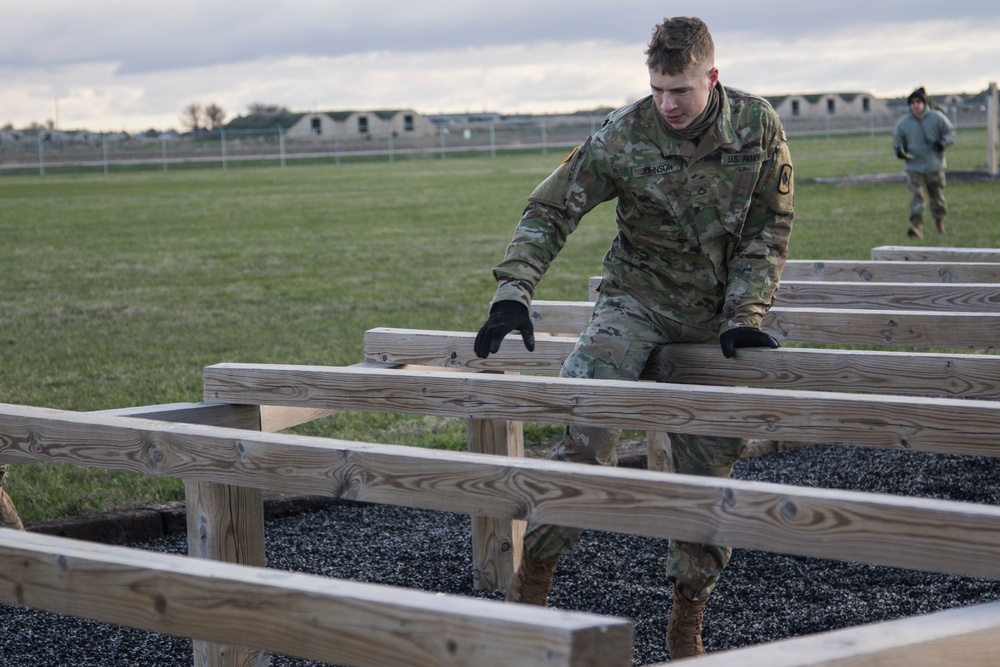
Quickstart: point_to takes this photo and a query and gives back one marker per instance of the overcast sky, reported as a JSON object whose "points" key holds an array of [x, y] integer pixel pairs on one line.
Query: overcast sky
{"points": [[127, 65]]}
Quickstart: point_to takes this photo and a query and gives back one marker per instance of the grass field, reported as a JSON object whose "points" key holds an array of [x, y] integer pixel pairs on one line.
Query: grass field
{"points": [[117, 290]]}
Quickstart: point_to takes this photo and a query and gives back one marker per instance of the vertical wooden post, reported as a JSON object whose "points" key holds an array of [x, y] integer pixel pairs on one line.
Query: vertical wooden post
{"points": [[226, 523], [496, 543], [659, 452]]}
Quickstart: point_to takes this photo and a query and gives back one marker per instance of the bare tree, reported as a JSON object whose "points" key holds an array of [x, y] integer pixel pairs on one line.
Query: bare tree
{"points": [[214, 115], [191, 118]]}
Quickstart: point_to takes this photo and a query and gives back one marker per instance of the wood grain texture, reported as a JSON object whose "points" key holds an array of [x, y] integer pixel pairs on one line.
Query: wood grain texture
{"points": [[496, 542], [926, 424], [932, 535], [969, 637], [839, 326], [892, 271], [943, 297], [911, 373], [964, 297], [906, 253], [303, 615], [225, 523]]}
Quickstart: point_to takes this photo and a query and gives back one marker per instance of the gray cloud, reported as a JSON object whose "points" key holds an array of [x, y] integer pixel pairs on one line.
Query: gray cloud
{"points": [[158, 36]]}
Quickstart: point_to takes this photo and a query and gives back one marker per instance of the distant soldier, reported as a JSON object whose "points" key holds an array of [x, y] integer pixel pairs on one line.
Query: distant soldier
{"points": [[703, 181], [8, 513], [920, 138]]}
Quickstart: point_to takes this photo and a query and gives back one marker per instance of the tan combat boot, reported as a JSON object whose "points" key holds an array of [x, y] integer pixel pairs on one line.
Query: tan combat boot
{"points": [[939, 223], [916, 227], [532, 581], [684, 627]]}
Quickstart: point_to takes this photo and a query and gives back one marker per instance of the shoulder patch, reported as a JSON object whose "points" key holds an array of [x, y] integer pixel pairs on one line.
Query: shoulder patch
{"points": [[777, 189], [554, 190]]}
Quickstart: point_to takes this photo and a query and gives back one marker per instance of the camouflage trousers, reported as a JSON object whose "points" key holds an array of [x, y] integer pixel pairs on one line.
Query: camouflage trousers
{"points": [[927, 189], [615, 346]]}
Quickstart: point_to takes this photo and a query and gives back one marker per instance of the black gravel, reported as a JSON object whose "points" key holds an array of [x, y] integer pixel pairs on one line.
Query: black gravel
{"points": [[762, 596]]}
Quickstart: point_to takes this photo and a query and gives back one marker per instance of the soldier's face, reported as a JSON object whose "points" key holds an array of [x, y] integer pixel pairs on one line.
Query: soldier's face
{"points": [[918, 107], [680, 98]]}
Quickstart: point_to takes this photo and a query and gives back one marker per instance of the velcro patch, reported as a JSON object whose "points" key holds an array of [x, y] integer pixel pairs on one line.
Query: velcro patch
{"points": [[744, 158], [655, 169]]}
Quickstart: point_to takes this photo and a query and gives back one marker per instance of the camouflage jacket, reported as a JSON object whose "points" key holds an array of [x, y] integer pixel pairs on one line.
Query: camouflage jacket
{"points": [[702, 229]]}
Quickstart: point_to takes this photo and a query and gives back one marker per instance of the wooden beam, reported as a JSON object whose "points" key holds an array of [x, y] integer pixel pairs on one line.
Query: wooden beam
{"points": [[943, 297], [926, 424], [302, 615], [840, 326], [892, 271], [910, 373], [965, 637], [917, 533], [209, 414], [905, 253]]}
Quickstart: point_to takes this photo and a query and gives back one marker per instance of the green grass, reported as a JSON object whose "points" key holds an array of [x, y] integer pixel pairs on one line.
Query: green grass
{"points": [[117, 290]]}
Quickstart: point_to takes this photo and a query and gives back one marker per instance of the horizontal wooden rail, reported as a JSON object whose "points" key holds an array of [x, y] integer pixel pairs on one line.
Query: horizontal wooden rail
{"points": [[906, 253], [910, 373], [256, 417], [943, 297], [896, 531], [959, 426], [892, 271], [841, 326], [965, 637], [302, 615]]}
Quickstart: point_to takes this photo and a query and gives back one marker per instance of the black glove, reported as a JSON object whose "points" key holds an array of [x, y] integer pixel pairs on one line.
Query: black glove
{"points": [[744, 337], [939, 145], [505, 316]]}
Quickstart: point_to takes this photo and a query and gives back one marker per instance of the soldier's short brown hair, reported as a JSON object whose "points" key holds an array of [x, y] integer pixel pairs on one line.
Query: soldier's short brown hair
{"points": [[680, 44]]}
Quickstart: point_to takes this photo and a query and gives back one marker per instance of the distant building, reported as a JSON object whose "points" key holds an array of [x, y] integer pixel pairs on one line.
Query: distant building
{"points": [[817, 105], [320, 125]]}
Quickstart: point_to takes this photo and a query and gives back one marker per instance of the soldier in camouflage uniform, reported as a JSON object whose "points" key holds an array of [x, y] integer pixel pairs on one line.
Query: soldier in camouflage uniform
{"points": [[703, 182]]}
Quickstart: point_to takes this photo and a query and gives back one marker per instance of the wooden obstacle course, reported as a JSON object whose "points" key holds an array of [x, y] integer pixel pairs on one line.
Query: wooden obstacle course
{"points": [[227, 455]]}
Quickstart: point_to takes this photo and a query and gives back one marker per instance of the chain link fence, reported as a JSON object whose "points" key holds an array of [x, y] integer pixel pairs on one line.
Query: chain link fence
{"points": [[42, 151]]}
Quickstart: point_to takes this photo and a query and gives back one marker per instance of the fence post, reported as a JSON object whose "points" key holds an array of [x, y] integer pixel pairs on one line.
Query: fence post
{"points": [[41, 153], [104, 145], [222, 138], [281, 144], [991, 132], [163, 151]]}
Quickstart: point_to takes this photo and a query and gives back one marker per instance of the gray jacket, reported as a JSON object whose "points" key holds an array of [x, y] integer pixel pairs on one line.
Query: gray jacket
{"points": [[916, 136]]}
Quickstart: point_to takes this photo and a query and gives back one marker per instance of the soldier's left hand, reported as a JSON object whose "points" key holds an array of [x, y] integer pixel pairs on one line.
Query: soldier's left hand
{"points": [[939, 145], [745, 337]]}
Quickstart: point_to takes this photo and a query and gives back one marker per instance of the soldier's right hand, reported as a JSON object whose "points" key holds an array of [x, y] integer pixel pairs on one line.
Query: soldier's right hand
{"points": [[505, 316]]}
